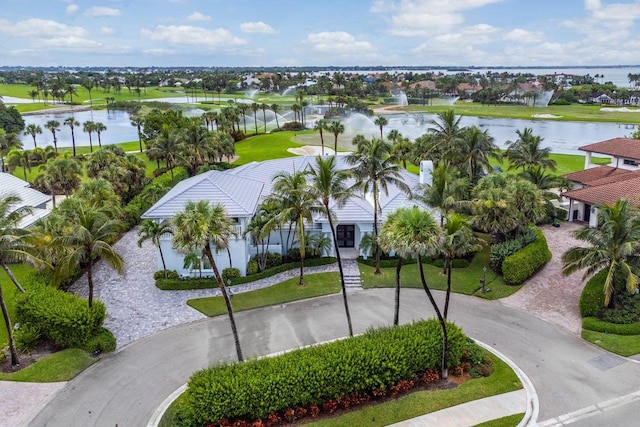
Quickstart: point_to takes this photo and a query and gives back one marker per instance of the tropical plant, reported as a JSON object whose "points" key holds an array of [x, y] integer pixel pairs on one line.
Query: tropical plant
{"points": [[152, 230], [388, 243], [19, 158], [526, 152], [381, 122], [336, 128], [138, 122], [446, 130], [33, 130], [89, 127], [473, 151], [447, 190], [320, 126], [72, 123], [99, 128], [52, 126]]}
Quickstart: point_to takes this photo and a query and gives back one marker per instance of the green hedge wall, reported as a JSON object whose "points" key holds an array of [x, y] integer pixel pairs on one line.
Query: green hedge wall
{"points": [[523, 264], [256, 388], [209, 282], [597, 325], [592, 296], [63, 318]]}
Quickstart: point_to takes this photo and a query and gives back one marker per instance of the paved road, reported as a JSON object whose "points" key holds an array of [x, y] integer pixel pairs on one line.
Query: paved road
{"points": [[126, 387]]}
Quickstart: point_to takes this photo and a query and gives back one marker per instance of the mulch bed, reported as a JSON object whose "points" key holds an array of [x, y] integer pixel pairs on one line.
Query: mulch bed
{"points": [[42, 350]]}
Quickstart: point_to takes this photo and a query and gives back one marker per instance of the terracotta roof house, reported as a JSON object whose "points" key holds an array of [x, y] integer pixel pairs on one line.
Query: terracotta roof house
{"points": [[242, 189], [596, 185]]}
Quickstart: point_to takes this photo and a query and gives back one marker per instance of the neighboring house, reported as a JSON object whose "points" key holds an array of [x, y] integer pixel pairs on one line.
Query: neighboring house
{"points": [[32, 199], [241, 191], [596, 185]]}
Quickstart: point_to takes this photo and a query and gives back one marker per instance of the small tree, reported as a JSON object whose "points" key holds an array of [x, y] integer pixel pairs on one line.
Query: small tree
{"points": [[152, 230]]}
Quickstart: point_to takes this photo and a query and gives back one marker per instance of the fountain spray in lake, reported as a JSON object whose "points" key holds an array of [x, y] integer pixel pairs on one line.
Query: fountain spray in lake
{"points": [[251, 93], [290, 90], [400, 98]]}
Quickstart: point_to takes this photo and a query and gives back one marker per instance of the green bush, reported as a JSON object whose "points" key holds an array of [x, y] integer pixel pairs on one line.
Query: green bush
{"points": [[230, 274], [523, 264], [597, 325], [592, 296], [500, 251], [562, 214], [313, 375], [104, 341], [26, 337], [252, 268], [63, 318], [170, 274]]}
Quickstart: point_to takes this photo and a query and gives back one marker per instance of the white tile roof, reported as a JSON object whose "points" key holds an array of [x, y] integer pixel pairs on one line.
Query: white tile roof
{"points": [[11, 185]]}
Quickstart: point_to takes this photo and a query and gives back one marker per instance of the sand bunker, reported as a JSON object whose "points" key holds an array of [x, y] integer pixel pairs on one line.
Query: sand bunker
{"points": [[545, 116], [312, 150], [620, 109]]}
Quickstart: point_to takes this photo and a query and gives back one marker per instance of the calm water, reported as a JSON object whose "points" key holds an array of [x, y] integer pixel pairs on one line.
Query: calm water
{"points": [[562, 137]]}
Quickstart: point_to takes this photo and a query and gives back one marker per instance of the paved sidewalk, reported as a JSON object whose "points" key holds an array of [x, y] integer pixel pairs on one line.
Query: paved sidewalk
{"points": [[21, 402]]}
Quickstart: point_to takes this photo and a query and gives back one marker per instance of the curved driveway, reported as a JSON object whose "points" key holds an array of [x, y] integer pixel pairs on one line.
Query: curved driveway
{"points": [[126, 387]]}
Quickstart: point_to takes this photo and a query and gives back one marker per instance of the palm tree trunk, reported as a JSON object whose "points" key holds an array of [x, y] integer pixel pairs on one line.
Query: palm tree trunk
{"points": [[73, 142], [7, 321], [164, 266], [302, 248], [448, 294], [322, 141], [443, 326], [12, 277], [230, 263], [375, 228], [342, 284], [227, 301], [396, 315], [90, 280]]}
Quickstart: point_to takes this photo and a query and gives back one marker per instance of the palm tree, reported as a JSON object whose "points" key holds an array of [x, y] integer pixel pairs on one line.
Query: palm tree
{"points": [[138, 122], [88, 236], [446, 129], [264, 108], [614, 246], [99, 128], [374, 169], [88, 85], [19, 158], [33, 130], [473, 152], [34, 94], [446, 191], [388, 243], [255, 107], [458, 241], [401, 149], [526, 152], [321, 125], [13, 246], [381, 122], [415, 233], [89, 127], [168, 146], [72, 123], [298, 205], [198, 227], [52, 125], [336, 128], [275, 108], [152, 230], [61, 175], [8, 142], [329, 184]]}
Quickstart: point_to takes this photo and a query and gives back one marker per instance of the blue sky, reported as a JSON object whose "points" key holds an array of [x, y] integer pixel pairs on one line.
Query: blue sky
{"points": [[324, 32]]}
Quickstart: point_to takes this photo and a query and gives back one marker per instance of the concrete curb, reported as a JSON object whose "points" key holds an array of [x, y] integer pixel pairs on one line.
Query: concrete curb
{"points": [[529, 419], [533, 405]]}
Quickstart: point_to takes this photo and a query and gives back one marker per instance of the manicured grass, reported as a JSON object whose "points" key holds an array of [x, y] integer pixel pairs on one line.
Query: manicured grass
{"points": [[60, 366], [463, 280], [502, 380], [510, 421], [21, 271], [624, 345], [266, 147], [575, 112], [287, 291]]}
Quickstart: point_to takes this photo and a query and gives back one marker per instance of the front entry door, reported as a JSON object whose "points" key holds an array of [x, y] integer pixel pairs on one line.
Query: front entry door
{"points": [[345, 234], [587, 213]]}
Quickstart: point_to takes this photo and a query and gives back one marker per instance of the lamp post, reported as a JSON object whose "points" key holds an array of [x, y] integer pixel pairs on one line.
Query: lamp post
{"points": [[229, 291], [483, 280]]}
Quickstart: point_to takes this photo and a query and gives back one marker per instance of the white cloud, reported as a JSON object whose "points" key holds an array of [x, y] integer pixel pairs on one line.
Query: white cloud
{"points": [[193, 36], [99, 11], [382, 6], [106, 30], [159, 51], [519, 35], [71, 9], [257, 27], [339, 43], [41, 28], [197, 16], [592, 4]]}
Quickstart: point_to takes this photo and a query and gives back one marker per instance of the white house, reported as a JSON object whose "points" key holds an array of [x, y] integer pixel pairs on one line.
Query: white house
{"points": [[30, 198], [242, 189], [597, 185]]}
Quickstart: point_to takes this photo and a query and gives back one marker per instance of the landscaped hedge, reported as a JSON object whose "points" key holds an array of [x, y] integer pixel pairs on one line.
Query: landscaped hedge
{"points": [[523, 264], [210, 282], [313, 375], [63, 318], [597, 325], [592, 296]]}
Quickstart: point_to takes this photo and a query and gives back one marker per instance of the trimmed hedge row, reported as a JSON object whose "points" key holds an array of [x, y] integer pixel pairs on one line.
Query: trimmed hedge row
{"points": [[592, 296], [597, 325], [210, 282], [523, 264], [63, 318], [393, 262], [378, 358]]}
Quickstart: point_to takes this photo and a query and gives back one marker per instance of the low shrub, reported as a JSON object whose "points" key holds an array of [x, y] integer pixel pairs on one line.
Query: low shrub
{"points": [[168, 274], [562, 214], [456, 263], [230, 274], [523, 264], [252, 268], [292, 126], [598, 325], [103, 342], [389, 262], [500, 251], [592, 296], [26, 337], [63, 318], [370, 363]]}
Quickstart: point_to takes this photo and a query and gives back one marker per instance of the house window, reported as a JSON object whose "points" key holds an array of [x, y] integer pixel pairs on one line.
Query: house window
{"points": [[630, 162], [206, 265]]}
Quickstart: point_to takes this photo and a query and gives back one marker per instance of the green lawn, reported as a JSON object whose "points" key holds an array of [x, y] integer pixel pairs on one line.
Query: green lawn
{"points": [[502, 380], [9, 290], [624, 345], [266, 147], [60, 366], [287, 291], [464, 280], [510, 421]]}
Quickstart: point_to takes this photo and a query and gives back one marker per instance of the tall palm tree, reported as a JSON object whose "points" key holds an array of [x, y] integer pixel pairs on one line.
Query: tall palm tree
{"points": [[275, 108], [374, 170], [198, 227], [52, 126], [458, 241], [62, 176], [152, 230], [264, 108], [401, 149], [388, 243], [19, 158], [167, 145], [336, 128], [99, 128], [526, 152], [138, 122], [8, 142], [614, 246], [298, 205], [415, 233], [88, 236], [33, 130], [381, 122], [473, 152], [88, 85], [89, 127], [13, 246], [72, 123], [446, 191], [446, 129], [255, 107], [320, 126], [328, 183]]}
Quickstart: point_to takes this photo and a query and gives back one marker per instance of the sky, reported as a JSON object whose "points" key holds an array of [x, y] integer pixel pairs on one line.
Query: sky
{"points": [[145, 33]]}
